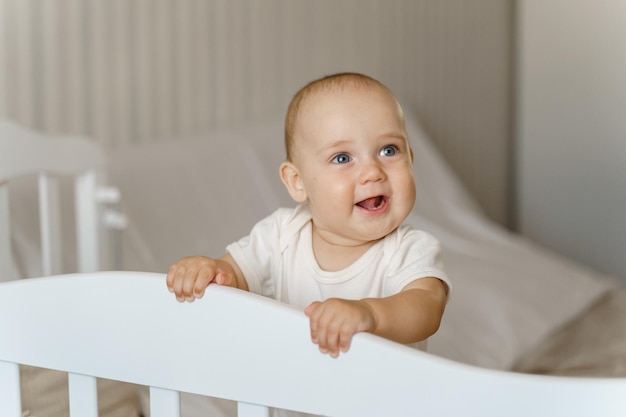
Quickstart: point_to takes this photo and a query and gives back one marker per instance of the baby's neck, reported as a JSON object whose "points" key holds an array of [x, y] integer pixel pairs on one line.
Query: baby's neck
{"points": [[334, 255]]}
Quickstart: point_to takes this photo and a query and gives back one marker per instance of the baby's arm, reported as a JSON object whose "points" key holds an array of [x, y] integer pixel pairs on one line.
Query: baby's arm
{"points": [[188, 277], [411, 315]]}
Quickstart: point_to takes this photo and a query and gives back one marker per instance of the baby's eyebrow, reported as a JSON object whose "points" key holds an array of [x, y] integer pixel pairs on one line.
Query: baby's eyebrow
{"points": [[393, 135], [338, 144], [342, 143]]}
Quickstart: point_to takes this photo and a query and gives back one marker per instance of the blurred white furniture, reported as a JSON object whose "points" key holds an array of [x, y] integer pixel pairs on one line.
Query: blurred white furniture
{"points": [[24, 152]]}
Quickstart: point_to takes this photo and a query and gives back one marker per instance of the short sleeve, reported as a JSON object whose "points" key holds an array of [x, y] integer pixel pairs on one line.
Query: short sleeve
{"points": [[255, 253], [413, 254]]}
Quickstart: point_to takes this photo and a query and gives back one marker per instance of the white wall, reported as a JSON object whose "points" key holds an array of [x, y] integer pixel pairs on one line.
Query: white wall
{"points": [[571, 128]]}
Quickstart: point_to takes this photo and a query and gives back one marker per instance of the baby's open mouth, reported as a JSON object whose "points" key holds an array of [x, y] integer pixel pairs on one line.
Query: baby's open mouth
{"points": [[372, 203]]}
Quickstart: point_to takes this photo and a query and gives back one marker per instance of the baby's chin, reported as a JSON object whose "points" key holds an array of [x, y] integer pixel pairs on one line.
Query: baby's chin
{"points": [[374, 235], [350, 238], [359, 230], [376, 227]]}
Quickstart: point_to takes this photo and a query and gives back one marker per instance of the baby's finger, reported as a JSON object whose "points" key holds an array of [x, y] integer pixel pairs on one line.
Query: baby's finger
{"points": [[345, 339], [179, 280], [310, 313], [169, 279], [224, 278], [332, 339], [191, 275], [310, 310], [321, 340], [320, 330], [205, 276]]}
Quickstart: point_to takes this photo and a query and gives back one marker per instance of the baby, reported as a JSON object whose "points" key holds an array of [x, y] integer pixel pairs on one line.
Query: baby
{"points": [[343, 254]]}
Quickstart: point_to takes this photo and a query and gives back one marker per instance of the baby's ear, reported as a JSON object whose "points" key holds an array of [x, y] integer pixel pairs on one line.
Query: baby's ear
{"points": [[290, 175]]}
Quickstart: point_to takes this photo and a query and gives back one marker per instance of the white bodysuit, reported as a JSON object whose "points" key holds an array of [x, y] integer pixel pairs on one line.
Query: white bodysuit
{"points": [[277, 261]]}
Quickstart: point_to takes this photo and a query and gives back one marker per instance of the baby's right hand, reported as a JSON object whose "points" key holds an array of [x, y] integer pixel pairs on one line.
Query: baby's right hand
{"points": [[188, 277]]}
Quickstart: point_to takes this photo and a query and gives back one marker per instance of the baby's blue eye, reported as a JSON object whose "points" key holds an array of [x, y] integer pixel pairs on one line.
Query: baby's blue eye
{"points": [[341, 158], [388, 151]]}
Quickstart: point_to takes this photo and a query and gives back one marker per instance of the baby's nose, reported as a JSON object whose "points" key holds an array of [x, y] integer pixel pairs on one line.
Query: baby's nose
{"points": [[372, 171]]}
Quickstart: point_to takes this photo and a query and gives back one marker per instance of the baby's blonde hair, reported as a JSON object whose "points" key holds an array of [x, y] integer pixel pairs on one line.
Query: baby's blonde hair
{"points": [[335, 82]]}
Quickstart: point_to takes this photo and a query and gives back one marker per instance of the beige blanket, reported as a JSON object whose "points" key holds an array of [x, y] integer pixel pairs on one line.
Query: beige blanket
{"points": [[592, 345]]}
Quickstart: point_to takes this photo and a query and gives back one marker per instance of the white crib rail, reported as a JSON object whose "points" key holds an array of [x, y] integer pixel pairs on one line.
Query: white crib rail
{"points": [[235, 345]]}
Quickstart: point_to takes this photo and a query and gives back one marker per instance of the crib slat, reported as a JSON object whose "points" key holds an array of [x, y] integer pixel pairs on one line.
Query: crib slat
{"points": [[7, 271], [83, 395], [50, 224], [87, 222], [164, 402], [252, 410], [10, 401]]}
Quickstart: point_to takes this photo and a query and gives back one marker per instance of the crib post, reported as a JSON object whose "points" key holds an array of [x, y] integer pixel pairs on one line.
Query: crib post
{"points": [[10, 401], [83, 395], [164, 402], [252, 410]]}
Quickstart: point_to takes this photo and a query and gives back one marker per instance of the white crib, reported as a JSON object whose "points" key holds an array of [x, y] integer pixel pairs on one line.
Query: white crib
{"points": [[126, 326]]}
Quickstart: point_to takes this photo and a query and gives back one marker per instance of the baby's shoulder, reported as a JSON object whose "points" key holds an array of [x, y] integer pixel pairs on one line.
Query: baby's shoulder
{"points": [[291, 217], [289, 223]]}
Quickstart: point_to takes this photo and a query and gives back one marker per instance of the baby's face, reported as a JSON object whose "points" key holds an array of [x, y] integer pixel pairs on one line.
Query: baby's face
{"points": [[355, 163]]}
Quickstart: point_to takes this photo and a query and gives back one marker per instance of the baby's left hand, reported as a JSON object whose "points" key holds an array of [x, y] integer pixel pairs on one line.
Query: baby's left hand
{"points": [[333, 323]]}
